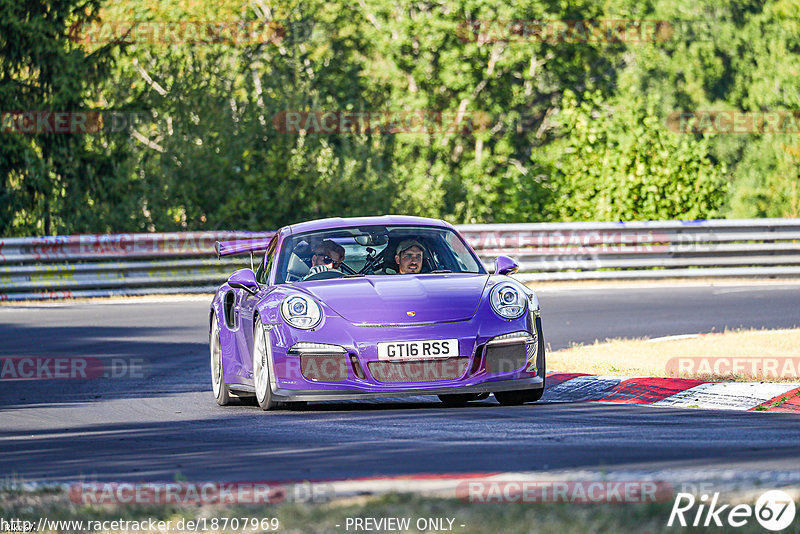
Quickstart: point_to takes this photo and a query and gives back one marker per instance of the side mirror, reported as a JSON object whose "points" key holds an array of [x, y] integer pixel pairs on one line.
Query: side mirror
{"points": [[244, 279], [505, 265]]}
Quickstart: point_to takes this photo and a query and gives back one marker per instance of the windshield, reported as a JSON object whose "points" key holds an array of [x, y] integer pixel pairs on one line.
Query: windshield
{"points": [[374, 250]]}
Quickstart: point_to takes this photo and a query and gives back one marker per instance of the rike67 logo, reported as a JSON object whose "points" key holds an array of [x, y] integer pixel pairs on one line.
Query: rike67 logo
{"points": [[774, 510]]}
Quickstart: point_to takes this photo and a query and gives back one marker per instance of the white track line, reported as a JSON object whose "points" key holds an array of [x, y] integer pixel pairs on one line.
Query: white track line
{"points": [[582, 388], [726, 395]]}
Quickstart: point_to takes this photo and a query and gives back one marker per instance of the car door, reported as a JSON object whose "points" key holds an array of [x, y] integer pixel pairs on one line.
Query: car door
{"points": [[246, 312], [230, 329]]}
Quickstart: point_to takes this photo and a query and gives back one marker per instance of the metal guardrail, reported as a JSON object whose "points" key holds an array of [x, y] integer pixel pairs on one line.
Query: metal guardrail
{"points": [[122, 264], [644, 249], [147, 264]]}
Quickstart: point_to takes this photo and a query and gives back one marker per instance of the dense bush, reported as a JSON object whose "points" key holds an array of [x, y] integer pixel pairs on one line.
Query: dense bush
{"points": [[616, 162]]}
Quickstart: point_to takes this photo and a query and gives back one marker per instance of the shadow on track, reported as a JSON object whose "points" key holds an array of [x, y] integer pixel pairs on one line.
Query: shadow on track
{"points": [[138, 362], [246, 444]]}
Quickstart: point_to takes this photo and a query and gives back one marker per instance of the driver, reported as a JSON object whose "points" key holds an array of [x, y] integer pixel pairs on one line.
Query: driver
{"points": [[328, 256], [409, 256]]}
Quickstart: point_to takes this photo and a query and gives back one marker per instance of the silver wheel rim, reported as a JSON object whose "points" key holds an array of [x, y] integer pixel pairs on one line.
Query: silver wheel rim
{"points": [[216, 363], [260, 369]]}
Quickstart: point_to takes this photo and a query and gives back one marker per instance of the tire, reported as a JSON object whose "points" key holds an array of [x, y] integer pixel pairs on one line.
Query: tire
{"points": [[222, 393], [261, 369], [515, 398], [461, 399]]}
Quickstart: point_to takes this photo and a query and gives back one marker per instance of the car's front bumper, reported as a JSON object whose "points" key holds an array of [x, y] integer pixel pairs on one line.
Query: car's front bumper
{"points": [[353, 394], [289, 395], [288, 382]]}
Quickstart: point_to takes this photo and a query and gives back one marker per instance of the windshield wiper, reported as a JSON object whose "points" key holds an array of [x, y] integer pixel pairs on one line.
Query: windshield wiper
{"points": [[441, 271]]}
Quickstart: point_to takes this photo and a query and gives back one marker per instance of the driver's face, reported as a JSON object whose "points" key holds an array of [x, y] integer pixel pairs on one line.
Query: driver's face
{"points": [[409, 260], [329, 260]]}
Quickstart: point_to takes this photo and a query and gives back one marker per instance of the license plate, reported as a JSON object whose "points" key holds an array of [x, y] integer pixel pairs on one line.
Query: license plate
{"points": [[418, 350]]}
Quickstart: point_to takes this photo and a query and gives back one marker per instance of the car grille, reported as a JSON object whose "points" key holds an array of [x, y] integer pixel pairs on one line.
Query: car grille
{"points": [[418, 371]]}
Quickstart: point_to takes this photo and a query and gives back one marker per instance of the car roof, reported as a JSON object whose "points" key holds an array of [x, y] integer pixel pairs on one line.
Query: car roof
{"points": [[386, 220]]}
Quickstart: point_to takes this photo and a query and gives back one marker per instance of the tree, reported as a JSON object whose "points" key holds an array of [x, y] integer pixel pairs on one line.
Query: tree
{"points": [[618, 163], [50, 179]]}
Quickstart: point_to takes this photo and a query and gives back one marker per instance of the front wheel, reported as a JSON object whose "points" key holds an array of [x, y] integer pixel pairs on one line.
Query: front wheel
{"points": [[261, 368], [222, 393]]}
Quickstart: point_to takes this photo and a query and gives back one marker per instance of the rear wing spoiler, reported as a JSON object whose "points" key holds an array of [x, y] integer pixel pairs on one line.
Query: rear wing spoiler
{"points": [[242, 246]]}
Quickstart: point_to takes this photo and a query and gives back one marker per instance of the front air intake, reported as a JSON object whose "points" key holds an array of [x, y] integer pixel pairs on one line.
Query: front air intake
{"points": [[324, 368], [510, 352], [321, 362]]}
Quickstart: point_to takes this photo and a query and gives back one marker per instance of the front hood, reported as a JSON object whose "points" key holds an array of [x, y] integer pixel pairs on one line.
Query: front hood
{"points": [[390, 299]]}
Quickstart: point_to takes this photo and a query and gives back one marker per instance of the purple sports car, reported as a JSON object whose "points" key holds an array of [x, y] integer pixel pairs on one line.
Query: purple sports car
{"points": [[373, 307]]}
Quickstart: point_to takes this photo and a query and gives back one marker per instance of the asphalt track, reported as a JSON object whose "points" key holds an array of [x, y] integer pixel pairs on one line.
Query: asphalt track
{"points": [[167, 424]]}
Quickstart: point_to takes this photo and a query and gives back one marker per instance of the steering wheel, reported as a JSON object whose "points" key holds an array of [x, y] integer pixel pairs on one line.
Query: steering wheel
{"points": [[325, 275]]}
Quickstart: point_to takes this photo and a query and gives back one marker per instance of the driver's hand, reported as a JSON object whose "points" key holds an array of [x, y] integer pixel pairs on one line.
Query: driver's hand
{"points": [[316, 269]]}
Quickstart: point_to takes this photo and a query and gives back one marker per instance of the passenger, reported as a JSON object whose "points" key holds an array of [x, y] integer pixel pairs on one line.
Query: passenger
{"points": [[409, 256], [328, 256]]}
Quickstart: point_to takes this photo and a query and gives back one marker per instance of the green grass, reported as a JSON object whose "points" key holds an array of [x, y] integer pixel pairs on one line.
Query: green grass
{"points": [[778, 402]]}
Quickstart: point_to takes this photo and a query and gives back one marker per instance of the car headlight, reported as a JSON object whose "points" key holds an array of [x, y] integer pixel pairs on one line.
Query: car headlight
{"points": [[507, 301], [301, 312]]}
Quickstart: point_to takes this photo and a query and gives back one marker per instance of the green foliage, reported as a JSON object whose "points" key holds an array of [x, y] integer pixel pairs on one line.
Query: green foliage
{"points": [[767, 179], [214, 158], [618, 163], [732, 55], [55, 183], [576, 131]]}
